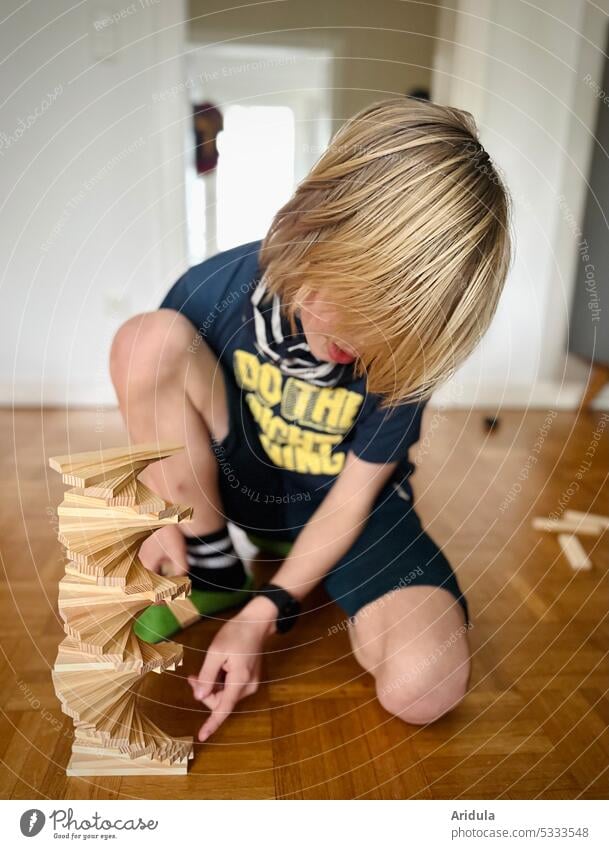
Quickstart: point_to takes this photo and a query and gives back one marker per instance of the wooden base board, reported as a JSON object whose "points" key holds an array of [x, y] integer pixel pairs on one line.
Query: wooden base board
{"points": [[82, 764]]}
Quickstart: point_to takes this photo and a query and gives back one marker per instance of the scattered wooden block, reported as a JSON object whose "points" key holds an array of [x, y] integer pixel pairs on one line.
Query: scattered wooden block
{"points": [[103, 520], [574, 552], [109, 471], [184, 611], [584, 526], [589, 518]]}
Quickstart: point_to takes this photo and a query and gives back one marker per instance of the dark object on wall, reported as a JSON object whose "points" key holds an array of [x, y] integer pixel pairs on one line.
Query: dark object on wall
{"points": [[589, 325], [419, 94], [491, 423], [208, 122]]}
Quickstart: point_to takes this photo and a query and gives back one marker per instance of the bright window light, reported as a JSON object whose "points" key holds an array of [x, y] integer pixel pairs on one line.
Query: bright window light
{"points": [[255, 171]]}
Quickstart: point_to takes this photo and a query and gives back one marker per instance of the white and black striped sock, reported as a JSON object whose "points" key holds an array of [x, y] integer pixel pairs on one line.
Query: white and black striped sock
{"points": [[213, 563]]}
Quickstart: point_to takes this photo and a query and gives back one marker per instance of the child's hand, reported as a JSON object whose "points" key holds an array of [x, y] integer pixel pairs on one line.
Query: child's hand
{"points": [[232, 666], [165, 552]]}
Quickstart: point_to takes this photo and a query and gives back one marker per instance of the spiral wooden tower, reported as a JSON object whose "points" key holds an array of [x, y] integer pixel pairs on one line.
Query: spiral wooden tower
{"points": [[103, 520]]}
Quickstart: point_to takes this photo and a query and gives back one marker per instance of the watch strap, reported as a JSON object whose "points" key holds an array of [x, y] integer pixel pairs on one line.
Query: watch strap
{"points": [[288, 608]]}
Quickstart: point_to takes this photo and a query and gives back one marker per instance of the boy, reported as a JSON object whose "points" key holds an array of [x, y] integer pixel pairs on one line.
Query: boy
{"points": [[295, 373]]}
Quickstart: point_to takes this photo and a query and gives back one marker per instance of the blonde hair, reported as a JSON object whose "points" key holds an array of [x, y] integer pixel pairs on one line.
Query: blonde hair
{"points": [[402, 225]]}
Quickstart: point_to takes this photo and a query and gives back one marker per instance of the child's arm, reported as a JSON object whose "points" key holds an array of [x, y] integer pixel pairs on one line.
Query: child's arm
{"points": [[333, 528], [231, 669]]}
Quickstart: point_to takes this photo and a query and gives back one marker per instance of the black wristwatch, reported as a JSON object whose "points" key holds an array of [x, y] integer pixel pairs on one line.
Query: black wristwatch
{"points": [[288, 608]]}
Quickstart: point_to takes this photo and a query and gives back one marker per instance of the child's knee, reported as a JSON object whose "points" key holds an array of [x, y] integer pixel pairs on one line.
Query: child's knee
{"points": [[420, 695], [149, 348]]}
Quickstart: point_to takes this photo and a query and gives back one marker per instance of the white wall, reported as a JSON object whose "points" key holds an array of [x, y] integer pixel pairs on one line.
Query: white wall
{"points": [[520, 68], [92, 201]]}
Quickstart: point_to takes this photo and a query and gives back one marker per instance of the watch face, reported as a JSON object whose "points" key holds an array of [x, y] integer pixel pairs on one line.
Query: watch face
{"points": [[290, 608], [288, 615]]}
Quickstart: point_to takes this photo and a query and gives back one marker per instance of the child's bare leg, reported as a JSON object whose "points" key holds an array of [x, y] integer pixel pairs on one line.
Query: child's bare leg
{"points": [[414, 643], [170, 388]]}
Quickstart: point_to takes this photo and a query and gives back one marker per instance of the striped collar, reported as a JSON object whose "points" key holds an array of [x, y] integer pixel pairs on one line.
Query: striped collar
{"points": [[290, 352]]}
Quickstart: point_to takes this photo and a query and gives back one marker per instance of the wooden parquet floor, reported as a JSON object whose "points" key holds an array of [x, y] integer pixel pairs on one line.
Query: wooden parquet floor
{"points": [[533, 726]]}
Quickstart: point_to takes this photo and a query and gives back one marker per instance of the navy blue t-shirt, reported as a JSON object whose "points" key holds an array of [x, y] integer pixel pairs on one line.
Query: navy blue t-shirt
{"points": [[308, 414]]}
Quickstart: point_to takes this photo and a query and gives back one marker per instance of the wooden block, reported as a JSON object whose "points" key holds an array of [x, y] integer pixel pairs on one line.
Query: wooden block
{"points": [[576, 516], [135, 497], [184, 611], [124, 572], [98, 474], [93, 765], [112, 457], [109, 561], [574, 552], [138, 656], [567, 526], [93, 522], [71, 658], [144, 738], [102, 550], [117, 486]]}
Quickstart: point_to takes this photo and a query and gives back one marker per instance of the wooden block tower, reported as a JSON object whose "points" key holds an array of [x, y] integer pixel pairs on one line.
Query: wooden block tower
{"points": [[103, 520]]}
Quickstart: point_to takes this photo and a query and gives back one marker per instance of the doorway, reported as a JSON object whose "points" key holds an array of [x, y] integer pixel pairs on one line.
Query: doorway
{"points": [[276, 106]]}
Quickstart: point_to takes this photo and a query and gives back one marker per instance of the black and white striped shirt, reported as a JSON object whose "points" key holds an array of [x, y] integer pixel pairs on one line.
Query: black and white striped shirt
{"points": [[290, 352]]}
